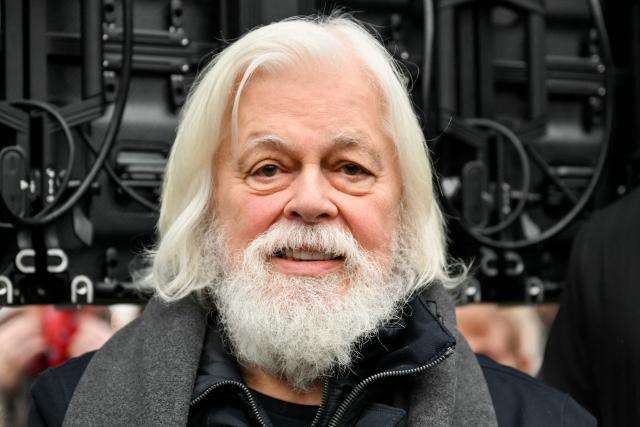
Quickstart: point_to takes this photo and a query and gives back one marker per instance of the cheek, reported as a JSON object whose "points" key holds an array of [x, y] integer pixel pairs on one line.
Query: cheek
{"points": [[376, 228], [246, 216]]}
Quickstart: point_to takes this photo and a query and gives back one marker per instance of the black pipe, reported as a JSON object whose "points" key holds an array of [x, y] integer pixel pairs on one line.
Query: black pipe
{"points": [[91, 24]]}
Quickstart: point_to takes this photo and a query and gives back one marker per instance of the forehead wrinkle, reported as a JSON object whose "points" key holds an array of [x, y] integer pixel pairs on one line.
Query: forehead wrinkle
{"points": [[358, 141]]}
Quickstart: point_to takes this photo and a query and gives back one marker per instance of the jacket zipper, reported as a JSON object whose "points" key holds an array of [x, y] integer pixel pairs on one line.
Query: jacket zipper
{"points": [[252, 403], [342, 408], [351, 397], [323, 403]]}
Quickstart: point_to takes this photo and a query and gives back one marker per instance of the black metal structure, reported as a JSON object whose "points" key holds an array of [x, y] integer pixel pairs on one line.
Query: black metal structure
{"points": [[521, 102]]}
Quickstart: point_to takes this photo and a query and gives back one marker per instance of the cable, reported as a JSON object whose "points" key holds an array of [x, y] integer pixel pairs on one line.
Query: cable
{"points": [[70, 143], [526, 172], [429, 29], [110, 135], [124, 187], [607, 60]]}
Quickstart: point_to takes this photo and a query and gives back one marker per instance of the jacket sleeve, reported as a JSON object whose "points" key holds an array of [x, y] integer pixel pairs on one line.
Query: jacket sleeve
{"points": [[48, 401], [574, 415], [52, 392], [520, 400]]}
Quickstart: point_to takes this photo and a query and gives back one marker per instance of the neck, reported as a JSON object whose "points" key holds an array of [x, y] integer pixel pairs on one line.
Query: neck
{"points": [[277, 388]]}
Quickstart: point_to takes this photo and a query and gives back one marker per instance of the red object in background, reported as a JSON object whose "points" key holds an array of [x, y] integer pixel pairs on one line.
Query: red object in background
{"points": [[58, 327]]}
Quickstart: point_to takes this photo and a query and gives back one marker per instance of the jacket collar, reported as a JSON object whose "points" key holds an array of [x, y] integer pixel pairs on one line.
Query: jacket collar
{"points": [[146, 374], [418, 339]]}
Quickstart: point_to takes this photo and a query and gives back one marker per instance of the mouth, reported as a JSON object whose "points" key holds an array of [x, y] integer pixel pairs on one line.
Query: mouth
{"points": [[306, 255], [306, 262]]}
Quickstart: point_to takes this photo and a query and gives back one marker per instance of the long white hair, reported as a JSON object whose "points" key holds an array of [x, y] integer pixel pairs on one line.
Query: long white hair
{"points": [[187, 204]]}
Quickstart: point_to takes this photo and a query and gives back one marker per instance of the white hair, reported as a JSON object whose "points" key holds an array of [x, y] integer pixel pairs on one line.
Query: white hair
{"points": [[187, 196]]}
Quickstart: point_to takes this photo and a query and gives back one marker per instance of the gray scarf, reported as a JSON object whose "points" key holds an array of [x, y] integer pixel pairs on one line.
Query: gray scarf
{"points": [[144, 375]]}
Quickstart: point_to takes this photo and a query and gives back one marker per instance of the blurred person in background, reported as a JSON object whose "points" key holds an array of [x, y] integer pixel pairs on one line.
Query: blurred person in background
{"points": [[511, 336], [593, 350], [35, 338]]}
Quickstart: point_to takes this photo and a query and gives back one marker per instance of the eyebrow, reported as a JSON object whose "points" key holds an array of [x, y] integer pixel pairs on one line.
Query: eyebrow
{"points": [[269, 141], [340, 141], [358, 141]]}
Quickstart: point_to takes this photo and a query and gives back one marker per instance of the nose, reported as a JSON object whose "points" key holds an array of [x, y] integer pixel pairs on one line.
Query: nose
{"points": [[310, 201]]}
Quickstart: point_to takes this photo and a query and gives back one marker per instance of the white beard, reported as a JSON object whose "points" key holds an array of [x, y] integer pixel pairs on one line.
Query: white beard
{"points": [[302, 328]]}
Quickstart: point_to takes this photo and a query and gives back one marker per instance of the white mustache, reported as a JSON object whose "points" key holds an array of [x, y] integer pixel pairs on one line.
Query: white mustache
{"points": [[306, 242]]}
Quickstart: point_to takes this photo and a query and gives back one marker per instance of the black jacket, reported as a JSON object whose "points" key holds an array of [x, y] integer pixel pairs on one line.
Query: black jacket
{"points": [[519, 400], [419, 349], [593, 351]]}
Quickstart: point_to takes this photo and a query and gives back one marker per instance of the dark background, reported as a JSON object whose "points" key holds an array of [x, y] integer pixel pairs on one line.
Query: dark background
{"points": [[537, 76]]}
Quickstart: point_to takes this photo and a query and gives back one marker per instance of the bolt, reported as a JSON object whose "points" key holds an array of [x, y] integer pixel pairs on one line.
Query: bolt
{"points": [[81, 289], [184, 68]]}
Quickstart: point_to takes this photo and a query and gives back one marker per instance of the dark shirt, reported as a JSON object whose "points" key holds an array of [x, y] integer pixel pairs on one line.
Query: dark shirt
{"points": [[285, 414]]}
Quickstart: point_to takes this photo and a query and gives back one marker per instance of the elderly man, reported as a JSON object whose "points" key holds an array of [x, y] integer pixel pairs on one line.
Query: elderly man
{"points": [[300, 268]]}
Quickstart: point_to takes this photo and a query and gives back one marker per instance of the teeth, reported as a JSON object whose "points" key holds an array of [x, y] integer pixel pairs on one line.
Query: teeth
{"points": [[306, 255]]}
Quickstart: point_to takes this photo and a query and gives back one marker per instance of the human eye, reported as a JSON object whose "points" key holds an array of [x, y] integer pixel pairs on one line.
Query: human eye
{"points": [[268, 175], [266, 171], [352, 169], [352, 178]]}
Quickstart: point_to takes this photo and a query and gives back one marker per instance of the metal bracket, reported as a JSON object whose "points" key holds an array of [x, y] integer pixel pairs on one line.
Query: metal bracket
{"points": [[81, 290], [488, 262], [471, 291], [29, 267], [110, 84], [534, 290], [6, 291], [109, 12], [178, 90], [177, 11], [515, 266]]}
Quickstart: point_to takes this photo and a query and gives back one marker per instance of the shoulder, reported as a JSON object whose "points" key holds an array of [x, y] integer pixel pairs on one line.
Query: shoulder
{"points": [[618, 216], [53, 389], [520, 399]]}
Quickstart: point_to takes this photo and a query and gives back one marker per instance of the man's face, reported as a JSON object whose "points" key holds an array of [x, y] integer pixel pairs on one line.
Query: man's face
{"points": [[311, 149]]}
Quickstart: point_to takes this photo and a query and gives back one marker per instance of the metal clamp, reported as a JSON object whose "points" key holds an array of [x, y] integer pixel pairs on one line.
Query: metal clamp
{"points": [[472, 291], [534, 290], [515, 266], [488, 262], [30, 267], [178, 90], [6, 291], [81, 290]]}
